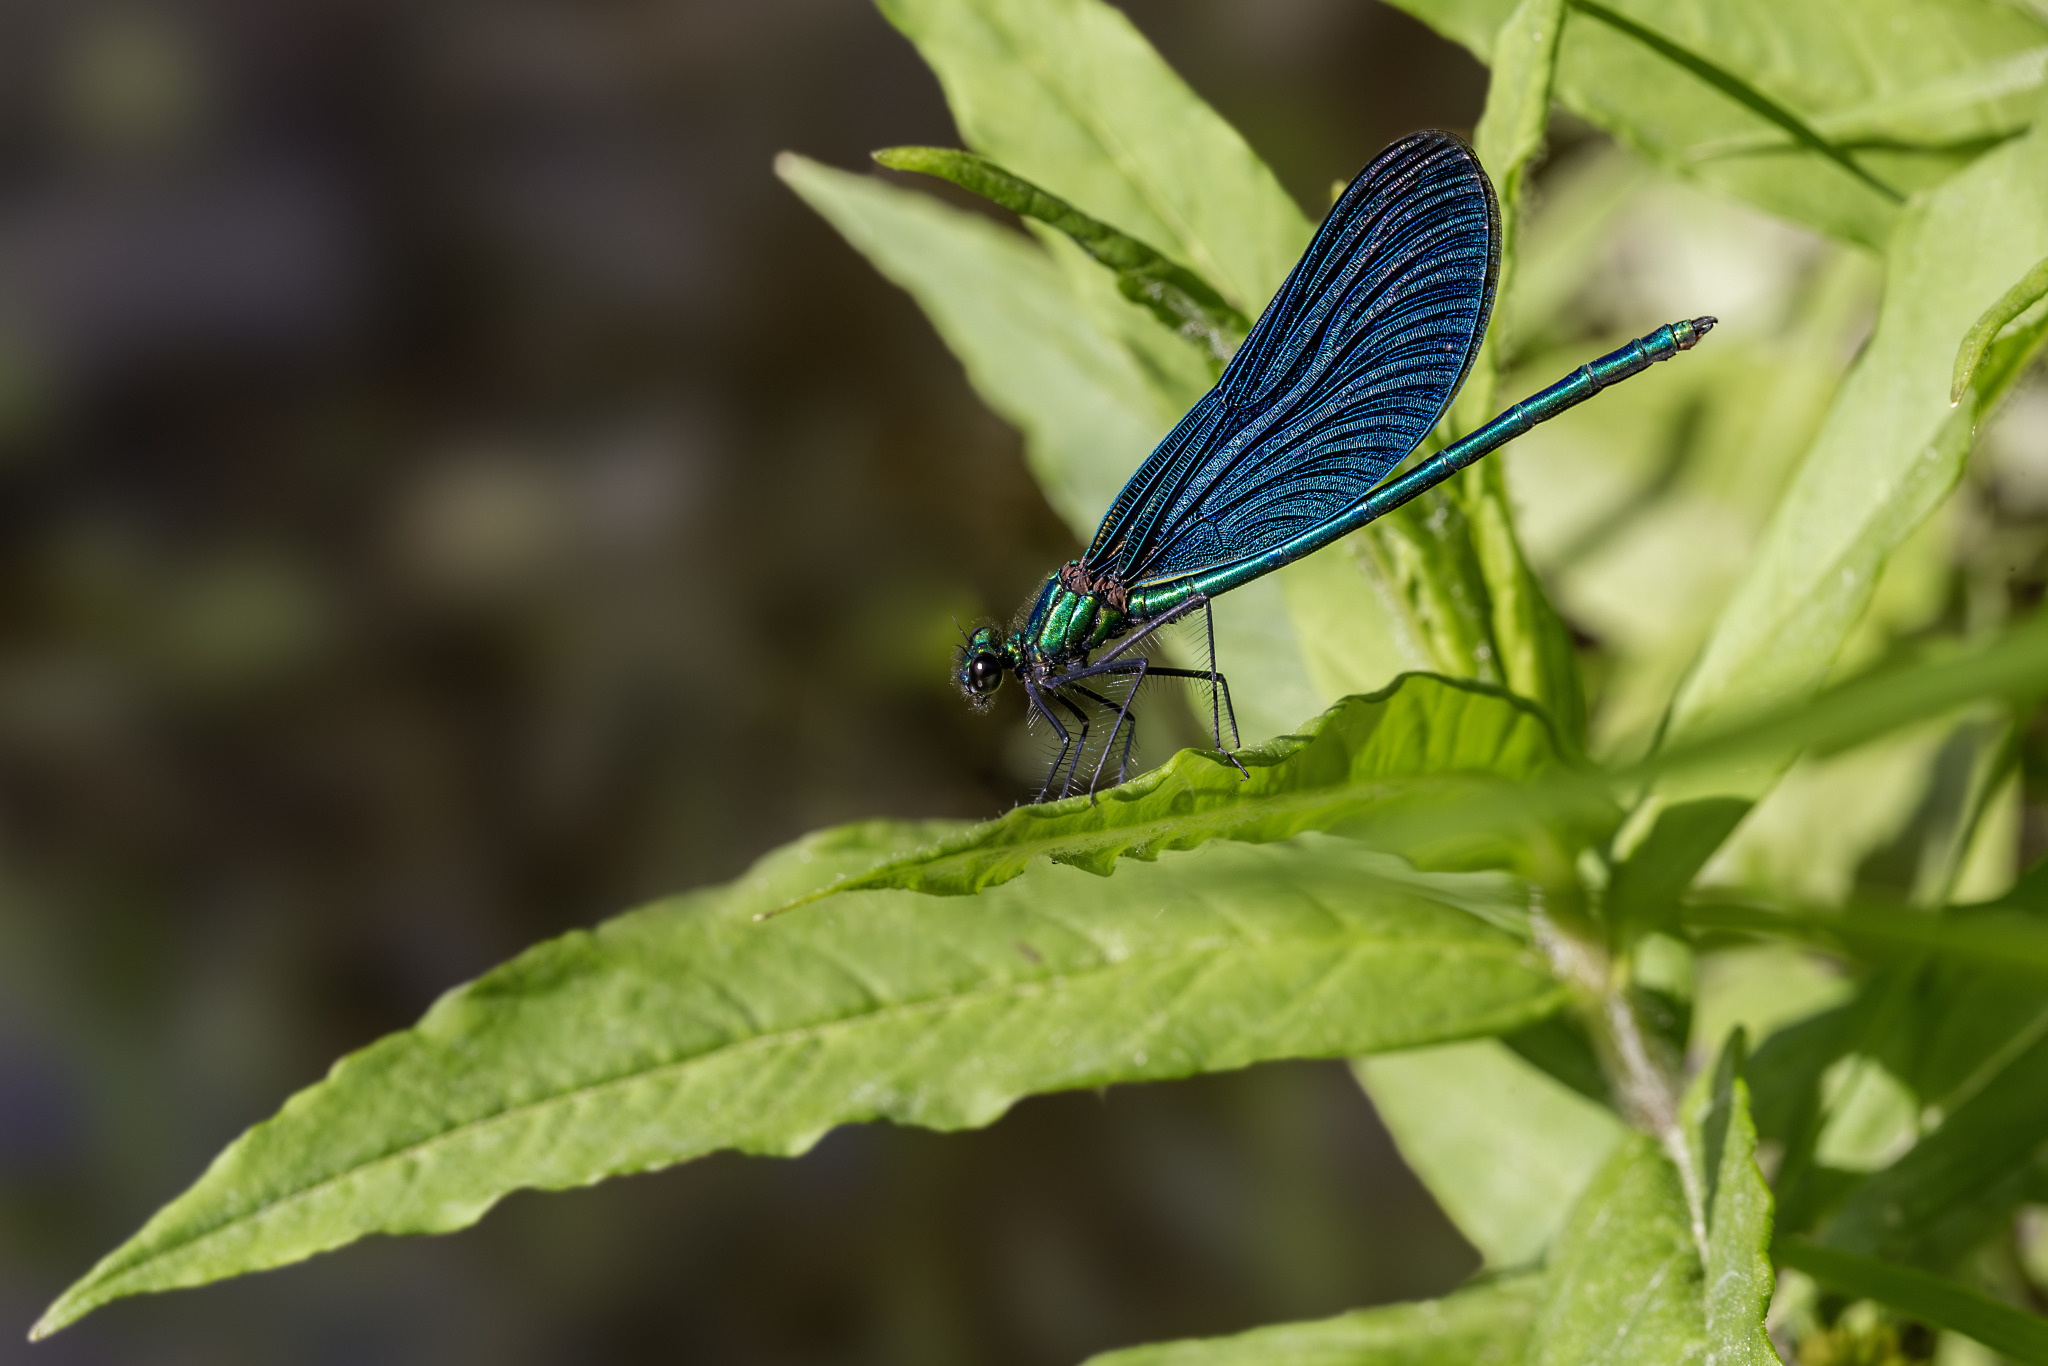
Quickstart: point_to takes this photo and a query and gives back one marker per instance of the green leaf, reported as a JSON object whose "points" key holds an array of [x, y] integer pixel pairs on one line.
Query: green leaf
{"points": [[1089, 402], [689, 1027], [1425, 743], [1484, 1325], [1174, 294], [1821, 113], [1505, 1150], [1069, 95], [1944, 1304], [1892, 447], [1647, 885], [1734, 1211], [2015, 301], [1659, 1263]]}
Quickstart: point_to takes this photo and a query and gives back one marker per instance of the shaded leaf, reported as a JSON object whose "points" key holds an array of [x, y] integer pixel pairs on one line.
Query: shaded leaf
{"points": [[1533, 645], [1484, 1325], [2014, 667], [1505, 1150], [1944, 1304], [1174, 294], [690, 1027]]}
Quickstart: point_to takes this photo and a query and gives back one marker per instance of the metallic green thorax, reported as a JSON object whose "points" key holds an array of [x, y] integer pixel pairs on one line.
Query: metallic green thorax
{"points": [[1065, 624]]}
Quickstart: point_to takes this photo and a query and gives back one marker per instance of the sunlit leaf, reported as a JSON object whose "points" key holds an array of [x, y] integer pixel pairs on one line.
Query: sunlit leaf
{"points": [[1505, 1150], [1481, 1326], [690, 1027], [1425, 744], [1659, 1264]]}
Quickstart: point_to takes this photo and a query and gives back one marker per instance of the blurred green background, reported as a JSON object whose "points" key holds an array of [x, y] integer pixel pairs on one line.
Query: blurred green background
{"points": [[452, 492]]}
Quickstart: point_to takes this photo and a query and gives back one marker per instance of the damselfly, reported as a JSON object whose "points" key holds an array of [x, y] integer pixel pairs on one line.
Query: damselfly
{"points": [[1340, 380]]}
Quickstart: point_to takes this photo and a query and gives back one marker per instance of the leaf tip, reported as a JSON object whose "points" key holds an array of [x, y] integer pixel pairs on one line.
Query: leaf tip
{"points": [[58, 1316]]}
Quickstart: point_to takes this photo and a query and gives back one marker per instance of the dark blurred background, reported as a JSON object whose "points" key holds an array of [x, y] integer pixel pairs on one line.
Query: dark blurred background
{"points": [[450, 492]]}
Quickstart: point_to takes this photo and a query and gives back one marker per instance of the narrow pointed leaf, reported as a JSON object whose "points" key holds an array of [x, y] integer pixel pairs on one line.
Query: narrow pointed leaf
{"points": [[1485, 1325], [1175, 295], [1737, 88], [1735, 1206], [1646, 887], [1510, 132], [2002, 944], [690, 1027]]}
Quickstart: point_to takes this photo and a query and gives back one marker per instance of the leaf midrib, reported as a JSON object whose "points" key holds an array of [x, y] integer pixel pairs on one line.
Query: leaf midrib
{"points": [[1214, 823]]}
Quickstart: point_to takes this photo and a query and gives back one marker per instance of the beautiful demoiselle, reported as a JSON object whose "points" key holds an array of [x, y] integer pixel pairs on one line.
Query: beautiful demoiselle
{"points": [[1340, 380]]}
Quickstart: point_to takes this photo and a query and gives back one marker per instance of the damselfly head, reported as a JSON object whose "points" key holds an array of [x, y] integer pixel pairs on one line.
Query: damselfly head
{"points": [[979, 665]]}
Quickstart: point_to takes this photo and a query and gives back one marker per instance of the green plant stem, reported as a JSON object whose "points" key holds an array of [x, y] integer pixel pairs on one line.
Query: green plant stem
{"points": [[1642, 1072]]}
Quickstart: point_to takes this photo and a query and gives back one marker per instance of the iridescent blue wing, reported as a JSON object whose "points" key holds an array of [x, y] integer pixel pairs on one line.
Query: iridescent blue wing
{"points": [[1344, 374]]}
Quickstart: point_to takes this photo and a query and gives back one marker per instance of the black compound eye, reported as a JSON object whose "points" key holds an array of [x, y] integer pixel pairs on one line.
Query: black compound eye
{"points": [[984, 673]]}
